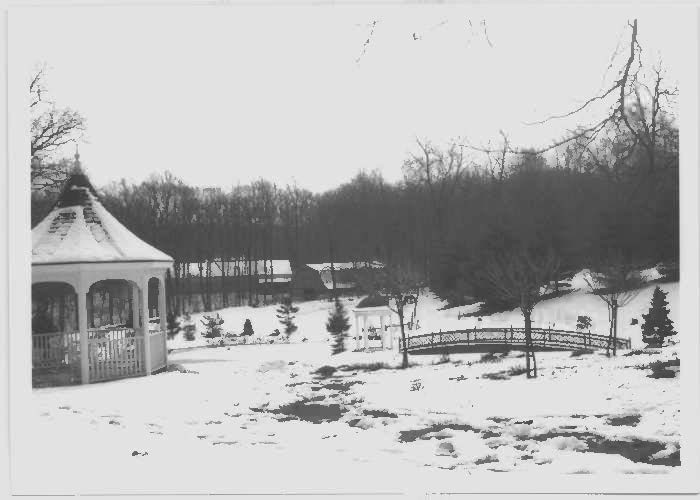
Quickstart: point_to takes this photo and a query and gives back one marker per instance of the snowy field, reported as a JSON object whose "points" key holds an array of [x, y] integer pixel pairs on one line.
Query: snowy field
{"points": [[264, 418]]}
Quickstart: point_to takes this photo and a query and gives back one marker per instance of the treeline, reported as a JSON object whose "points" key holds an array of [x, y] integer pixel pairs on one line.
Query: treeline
{"points": [[453, 209]]}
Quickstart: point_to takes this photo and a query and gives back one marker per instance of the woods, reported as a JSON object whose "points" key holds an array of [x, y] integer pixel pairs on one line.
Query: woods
{"points": [[609, 187]]}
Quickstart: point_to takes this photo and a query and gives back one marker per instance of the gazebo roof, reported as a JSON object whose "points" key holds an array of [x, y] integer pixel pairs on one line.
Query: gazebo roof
{"points": [[80, 230], [375, 300]]}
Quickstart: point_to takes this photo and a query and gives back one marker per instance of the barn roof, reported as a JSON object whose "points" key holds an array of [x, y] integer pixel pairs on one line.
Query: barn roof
{"points": [[79, 229]]}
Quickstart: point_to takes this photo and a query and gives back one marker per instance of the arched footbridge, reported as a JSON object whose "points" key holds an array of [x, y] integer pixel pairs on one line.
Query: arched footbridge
{"points": [[502, 339]]}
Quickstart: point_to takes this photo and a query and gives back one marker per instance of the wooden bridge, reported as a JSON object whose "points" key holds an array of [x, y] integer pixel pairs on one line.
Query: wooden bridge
{"points": [[502, 339]]}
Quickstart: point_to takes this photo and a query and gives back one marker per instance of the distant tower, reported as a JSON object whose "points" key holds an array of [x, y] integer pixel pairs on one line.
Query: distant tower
{"points": [[77, 167]]}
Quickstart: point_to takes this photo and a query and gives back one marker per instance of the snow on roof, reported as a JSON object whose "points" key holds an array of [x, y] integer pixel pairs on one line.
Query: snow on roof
{"points": [[373, 301], [326, 266], [80, 229], [274, 280], [338, 285], [274, 267]]}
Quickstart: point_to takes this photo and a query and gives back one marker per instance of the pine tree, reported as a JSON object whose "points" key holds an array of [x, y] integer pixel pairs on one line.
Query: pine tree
{"points": [[657, 325], [338, 323], [248, 328], [285, 313], [213, 326]]}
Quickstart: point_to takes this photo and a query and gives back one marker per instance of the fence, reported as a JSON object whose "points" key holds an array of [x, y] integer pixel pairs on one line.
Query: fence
{"points": [[541, 338], [114, 353], [53, 350]]}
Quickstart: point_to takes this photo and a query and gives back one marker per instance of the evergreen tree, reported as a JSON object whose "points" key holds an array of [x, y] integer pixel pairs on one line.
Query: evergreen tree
{"points": [[248, 328], [337, 324], [285, 313], [213, 326], [189, 328], [174, 326], [657, 325]]}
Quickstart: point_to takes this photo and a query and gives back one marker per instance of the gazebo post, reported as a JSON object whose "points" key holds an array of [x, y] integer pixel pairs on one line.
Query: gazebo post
{"points": [[382, 331], [134, 306], [162, 313], [357, 331], [364, 333], [144, 326], [83, 329]]}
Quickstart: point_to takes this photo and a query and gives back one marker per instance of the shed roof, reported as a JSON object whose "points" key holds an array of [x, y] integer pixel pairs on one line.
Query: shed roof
{"points": [[79, 229]]}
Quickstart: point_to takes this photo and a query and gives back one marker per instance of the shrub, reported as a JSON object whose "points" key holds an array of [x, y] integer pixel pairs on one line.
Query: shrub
{"points": [[337, 325], [285, 313], [416, 385], [248, 328], [189, 328], [212, 325], [173, 324], [489, 357]]}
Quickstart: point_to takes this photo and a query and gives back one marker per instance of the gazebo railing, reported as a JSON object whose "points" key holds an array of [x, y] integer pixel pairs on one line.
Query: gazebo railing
{"points": [[53, 350], [115, 353], [158, 349]]}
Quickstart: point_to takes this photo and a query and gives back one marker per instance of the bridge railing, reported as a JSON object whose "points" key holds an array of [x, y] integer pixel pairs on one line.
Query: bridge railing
{"points": [[541, 337]]}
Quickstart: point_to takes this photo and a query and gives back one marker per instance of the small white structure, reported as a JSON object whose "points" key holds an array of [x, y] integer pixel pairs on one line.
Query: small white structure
{"points": [[91, 314], [368, 308]]}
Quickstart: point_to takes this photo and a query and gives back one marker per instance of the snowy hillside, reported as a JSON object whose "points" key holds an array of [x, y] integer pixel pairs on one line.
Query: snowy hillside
{"points": [[561, 313]]}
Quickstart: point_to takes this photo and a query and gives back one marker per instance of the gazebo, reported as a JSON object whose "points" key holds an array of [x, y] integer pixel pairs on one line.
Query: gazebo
{"points": [[98, 294], [373, 307]]}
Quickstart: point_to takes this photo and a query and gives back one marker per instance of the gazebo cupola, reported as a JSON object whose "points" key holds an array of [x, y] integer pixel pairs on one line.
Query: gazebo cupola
{"points": [[92, 307]]}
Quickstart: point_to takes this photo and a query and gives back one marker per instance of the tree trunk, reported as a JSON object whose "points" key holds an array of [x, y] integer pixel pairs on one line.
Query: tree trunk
{"points": [[330, 250], [224, 298], [531, 368], [399, 309], [614, 328]]}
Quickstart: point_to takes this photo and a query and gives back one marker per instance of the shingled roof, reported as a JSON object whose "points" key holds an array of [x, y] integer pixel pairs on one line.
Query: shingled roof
{"points": [[80, 229]]}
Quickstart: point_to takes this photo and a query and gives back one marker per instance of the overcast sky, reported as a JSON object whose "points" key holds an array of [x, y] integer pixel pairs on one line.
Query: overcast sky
{"points": [[227, 94]]}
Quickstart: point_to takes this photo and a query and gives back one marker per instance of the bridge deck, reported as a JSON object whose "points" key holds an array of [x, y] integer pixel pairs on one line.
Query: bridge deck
{"points": [[500, 339]]}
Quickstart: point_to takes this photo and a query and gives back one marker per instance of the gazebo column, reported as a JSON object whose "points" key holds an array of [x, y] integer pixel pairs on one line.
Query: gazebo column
{"points": [[365, 332], [390, 334], [134, 306], [144, 326], [382, 331], [163, 314], [357, 332], [83, 329]]}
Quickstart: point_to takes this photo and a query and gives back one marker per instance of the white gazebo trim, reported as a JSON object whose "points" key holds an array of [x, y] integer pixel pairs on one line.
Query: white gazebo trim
{"points": [[384, 313]]}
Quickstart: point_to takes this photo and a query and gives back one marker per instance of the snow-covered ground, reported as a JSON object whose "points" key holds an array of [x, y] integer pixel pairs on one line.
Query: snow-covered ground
{"points": [[260, 418], [561, 313]]}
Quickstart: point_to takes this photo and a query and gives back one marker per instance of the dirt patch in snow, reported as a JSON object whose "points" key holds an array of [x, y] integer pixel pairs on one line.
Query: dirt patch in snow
{"points": [[411, 435], [628, 420], [343, 387], [636, 450], [309, 411], [380, 414]]}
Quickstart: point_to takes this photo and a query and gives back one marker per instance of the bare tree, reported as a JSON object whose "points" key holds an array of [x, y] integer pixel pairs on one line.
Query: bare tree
{"points": [[51, 128], [522, 276], [617, 284], [401, 284]]}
